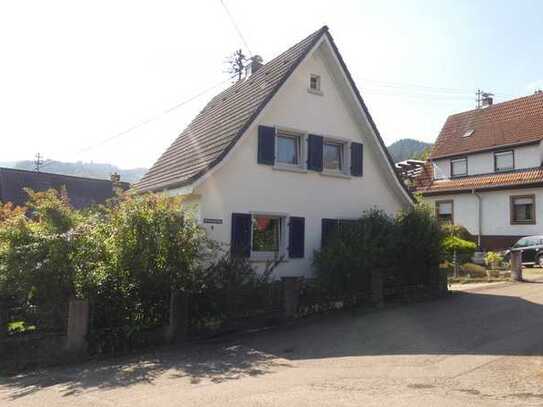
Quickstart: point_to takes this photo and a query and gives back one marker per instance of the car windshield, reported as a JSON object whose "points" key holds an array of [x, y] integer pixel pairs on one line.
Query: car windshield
{"points": [[520, 243]]}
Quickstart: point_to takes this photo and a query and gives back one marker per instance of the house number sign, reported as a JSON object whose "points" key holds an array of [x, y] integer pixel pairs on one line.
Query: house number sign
{"points": [[213, 221]]}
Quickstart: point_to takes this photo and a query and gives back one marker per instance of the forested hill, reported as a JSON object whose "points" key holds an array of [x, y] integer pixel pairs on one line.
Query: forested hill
{"points": [[81, 169], [409, 148]]}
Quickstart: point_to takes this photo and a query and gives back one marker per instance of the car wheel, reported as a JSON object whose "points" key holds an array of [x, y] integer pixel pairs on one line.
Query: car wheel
{"points": [[540, 261]]}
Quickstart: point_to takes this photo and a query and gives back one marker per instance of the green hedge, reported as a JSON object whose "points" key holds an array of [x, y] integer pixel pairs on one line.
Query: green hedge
{"points": [[406, 250]]}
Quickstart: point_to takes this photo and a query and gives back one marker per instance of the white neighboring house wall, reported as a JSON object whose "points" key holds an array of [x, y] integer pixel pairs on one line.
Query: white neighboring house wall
{"points": [[495, 212], [529, 156], [241, 185]]}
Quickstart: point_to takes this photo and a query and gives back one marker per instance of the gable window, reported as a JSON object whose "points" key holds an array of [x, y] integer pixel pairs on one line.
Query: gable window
{"points": [[445, 211], [266, 234], [459, 167], [504, 160], [333, 156], [522, 209], [315, 83]]}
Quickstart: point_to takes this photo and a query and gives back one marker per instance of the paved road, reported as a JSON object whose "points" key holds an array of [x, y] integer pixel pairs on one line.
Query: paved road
{"points": [[476, 348]]}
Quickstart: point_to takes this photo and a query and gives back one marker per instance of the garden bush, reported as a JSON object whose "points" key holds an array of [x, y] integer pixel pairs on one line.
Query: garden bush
{"points": [[474, 270], [354, 249], [406, 250]]}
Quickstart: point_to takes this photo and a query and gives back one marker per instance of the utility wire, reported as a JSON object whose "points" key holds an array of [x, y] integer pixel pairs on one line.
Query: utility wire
{"points": [[236, 27], [145, 122]]}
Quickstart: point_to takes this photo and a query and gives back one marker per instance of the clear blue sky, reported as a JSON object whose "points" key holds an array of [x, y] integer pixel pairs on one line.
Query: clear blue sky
{"points": [[74, 74]]}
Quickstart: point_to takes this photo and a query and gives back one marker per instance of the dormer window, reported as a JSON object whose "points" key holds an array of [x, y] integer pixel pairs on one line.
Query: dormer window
{"points": [[459, 167], [504, 160], [315, 84], [468, 133]]}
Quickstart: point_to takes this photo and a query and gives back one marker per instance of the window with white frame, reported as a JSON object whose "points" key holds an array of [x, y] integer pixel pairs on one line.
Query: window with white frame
{"points": [[523, 209], [445, 211], [267, 234], [289, 149], [504, 160], [459, 167], [333, 156]]}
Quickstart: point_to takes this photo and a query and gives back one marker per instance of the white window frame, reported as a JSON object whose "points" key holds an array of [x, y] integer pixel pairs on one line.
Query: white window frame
{"points": [[345, 157], [261, 256], [302, 149], [318, 80], [465, 159], [501, 154], [438, 205]]}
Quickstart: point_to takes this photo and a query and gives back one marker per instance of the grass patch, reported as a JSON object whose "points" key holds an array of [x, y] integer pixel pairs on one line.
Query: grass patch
{"points": [[19, 327]]}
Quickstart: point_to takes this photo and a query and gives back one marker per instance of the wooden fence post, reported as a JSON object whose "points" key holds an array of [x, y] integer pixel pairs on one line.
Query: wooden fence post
{"points": [[516, 265], [3, 321], [291, 296], [78, 326], [178, 326], [376, 288]]}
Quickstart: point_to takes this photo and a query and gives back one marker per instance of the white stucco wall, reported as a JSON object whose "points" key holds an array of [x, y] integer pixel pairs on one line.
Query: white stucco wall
{"points": [[241, 185], [495, 212], [483, 163]]}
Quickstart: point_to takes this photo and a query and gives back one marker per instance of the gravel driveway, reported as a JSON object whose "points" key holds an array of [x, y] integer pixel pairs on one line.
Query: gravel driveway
{"points": [[481, 347]]}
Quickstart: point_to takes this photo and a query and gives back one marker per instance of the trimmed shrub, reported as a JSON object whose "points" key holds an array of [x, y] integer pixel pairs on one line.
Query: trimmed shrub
{"points": [[474, 270], [493, 260]]}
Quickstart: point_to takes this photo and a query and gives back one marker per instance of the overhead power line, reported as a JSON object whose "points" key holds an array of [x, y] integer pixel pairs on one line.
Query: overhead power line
{"points": [[236, 27], [146, 121]]}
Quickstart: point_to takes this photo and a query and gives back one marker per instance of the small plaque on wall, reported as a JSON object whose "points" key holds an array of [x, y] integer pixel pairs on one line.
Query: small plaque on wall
{"points": [[213, 221]]}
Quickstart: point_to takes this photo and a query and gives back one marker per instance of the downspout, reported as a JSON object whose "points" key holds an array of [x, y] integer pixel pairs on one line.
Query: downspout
{"points": [[479, 216]]}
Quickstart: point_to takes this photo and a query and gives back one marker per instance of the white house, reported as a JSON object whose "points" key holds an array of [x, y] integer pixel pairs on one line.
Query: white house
{"points": [[485, 171], [280, 156]]}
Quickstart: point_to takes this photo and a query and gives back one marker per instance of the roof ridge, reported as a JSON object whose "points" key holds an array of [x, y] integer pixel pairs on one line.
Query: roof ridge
{"points": [[497, 105]]}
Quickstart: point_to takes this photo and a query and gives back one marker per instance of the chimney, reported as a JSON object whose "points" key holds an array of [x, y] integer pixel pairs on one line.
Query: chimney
{"points": [[115, 178], [487, 99], [254, 65]]}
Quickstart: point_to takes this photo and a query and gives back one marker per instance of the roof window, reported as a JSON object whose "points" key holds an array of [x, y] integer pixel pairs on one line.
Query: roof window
{"points": [[468, 133]]}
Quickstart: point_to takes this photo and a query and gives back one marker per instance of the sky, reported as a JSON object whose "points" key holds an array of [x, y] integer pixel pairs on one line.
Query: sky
{"points": [[117, 81]]}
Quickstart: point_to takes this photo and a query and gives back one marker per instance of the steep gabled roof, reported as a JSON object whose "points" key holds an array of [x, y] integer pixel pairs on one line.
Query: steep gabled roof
{"points": [[515, 122], [216, 129]]}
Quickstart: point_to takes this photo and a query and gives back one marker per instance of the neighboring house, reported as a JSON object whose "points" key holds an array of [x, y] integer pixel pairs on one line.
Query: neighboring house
{"points": [[82, 192], [485, 171], [273, 162]]}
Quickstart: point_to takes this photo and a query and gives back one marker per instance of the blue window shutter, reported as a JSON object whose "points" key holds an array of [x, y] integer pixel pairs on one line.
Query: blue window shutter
{"points": [[357, 159], [240, 239], [329, 228], [266, 145], [296, 237], [314, 152]]}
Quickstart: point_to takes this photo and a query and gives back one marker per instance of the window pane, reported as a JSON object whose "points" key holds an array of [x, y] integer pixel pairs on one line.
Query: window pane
{"points": [[523, 209], [459, 167], [445, 208], [287, 149], [266, 232], [504, 161], [332, 156]]}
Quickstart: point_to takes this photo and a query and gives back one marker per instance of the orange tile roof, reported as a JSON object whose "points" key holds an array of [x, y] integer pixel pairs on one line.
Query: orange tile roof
{"points": [[524, 177], [518, 121]]}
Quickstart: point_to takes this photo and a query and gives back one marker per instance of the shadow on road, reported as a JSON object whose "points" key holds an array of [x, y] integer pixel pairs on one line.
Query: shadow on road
{"points": [[462, 324]]}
